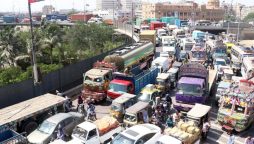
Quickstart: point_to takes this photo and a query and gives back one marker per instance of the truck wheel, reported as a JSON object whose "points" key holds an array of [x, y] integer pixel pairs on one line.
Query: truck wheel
{"points": [[29, 126]]}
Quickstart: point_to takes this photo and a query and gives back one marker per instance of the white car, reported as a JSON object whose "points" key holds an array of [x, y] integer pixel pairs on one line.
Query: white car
{"points": [[138, 134], [165, 139]]}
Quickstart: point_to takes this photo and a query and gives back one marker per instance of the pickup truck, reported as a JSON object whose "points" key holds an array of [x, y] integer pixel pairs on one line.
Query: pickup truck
{"points": [[100, 131]]}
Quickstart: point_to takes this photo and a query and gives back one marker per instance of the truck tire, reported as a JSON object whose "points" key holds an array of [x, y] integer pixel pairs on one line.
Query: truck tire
{"points": [[29, 126]]}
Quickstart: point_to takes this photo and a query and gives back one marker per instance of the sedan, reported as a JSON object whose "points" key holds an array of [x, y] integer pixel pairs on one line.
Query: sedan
{"points": [[138, 134], [47, 131]]}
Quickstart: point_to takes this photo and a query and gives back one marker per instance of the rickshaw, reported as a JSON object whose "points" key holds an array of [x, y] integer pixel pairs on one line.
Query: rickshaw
{"points": [[189, 130], [120, 104], [141, 112], [199, 113], [173, 72], [227, 75], [163, 82], [177, 64]]}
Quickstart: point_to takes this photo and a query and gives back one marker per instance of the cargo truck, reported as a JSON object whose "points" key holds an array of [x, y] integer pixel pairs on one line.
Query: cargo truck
{"points": [[149, 35], [156, 25], [136, 57], [193, 86], [27, 115], [133, 84]]}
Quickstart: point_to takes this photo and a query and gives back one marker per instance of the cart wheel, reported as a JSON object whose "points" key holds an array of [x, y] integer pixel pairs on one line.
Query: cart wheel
{"points": [[29, 126]]}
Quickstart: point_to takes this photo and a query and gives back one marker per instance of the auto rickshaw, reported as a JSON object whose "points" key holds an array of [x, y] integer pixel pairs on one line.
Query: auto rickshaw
{"points": [[163, 82], [141, 112], [173, 72], [227, 75], [149, 94], [189, 131], [120, 104]]}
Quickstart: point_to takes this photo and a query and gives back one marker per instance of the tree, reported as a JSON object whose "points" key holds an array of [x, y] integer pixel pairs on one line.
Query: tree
{"points": [[249, 17]]}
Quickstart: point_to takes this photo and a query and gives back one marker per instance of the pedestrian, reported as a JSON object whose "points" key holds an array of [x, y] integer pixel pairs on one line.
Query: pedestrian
{"points": [[248, 140], [176, 117], [60, 132], [205, 128], [59, 94], [169, 121], [231, 139], [80, 102]]}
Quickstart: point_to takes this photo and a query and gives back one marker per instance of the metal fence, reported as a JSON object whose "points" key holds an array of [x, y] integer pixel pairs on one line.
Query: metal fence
{"points": [[62, 79]]}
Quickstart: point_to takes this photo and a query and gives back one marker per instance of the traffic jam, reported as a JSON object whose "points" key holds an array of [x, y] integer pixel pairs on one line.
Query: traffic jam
{"points": [[163, 89]]}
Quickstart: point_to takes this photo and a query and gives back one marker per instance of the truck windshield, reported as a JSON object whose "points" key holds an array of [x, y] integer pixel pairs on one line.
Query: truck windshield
{"points": [[116, 107], [198, 54], [47, 127], [95, 79], [223, 63], [80, 133], [220, 51], [121, 139], [188, 47], [131, 118], [189, 88], [118, 87], [144, 97]]}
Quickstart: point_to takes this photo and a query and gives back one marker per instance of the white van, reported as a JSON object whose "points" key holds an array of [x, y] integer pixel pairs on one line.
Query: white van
{"points": [[162, 63]]}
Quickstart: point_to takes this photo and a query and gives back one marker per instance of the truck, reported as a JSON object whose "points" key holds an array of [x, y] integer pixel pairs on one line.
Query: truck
{"points": [[100, 131], [8, 136], [194, 86], [156, 25], [27, 115], [148, 35], [137, 57], [198, 35], [132, 84], [236, 108]]}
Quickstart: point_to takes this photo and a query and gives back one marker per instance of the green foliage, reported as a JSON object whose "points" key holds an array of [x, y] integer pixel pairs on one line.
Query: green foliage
{"points": [[15, 74], [10, 75], [249, 17], [54, 46]]}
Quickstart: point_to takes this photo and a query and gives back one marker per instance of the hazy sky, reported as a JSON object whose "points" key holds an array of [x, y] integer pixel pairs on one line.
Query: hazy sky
{"points": [[21, 5]]}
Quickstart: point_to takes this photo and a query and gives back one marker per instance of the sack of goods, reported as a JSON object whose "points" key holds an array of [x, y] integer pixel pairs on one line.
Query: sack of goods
{"points": [[106, 124]]}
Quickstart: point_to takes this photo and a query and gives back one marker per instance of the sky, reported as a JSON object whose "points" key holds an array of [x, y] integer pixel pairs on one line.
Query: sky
{"points": [[21, 5]]}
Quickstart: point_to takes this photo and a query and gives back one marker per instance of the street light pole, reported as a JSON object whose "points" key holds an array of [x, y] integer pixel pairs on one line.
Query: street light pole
{"points": [[35, 70]]}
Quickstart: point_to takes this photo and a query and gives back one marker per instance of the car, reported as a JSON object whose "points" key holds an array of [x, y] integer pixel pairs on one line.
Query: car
{"points": [[166, 139], [138, 134], [47, 131]]}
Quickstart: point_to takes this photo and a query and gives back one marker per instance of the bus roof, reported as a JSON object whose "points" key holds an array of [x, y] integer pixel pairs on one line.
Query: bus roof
{"points": [[243, 50]]}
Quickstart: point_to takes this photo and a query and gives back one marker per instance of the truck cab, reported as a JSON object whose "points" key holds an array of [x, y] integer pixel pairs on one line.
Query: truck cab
{"points": [[100, 131], [96, 82], [192, 86]]}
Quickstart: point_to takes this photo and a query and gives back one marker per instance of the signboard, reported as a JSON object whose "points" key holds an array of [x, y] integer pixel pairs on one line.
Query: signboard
{"points": [[193, 69]]}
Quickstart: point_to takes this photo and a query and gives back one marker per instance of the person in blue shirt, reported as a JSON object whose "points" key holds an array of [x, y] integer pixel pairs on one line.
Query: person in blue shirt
{"points": [[231, 139]]}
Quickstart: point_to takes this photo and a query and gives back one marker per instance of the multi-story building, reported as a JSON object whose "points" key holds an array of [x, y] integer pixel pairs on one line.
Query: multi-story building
{"points": [[244, 12], [138, 9], [107, 4], [185, 11], [48, 9]]}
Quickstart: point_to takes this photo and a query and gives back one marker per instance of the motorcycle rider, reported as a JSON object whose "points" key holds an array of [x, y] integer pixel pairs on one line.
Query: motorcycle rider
{"points": [[91, 110]]}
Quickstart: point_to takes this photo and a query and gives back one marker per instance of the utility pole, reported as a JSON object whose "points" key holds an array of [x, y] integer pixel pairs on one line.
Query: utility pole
{"points": [[35, 70], [84, 11], [238, 30], [113, 13], [132, 27]]}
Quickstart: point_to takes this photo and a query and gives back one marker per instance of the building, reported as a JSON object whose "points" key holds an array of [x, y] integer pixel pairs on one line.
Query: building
{"points": [[108, 4], [126, 4], [184, 10], [48, 9], [138, 9], [244, 12]]}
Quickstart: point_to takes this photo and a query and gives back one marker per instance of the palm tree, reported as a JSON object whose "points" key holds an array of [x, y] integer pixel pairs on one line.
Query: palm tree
{"points": [[49, 44]]}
